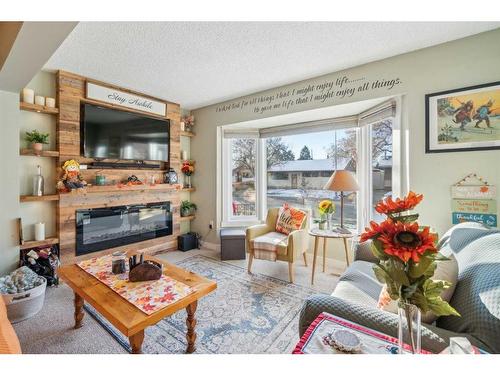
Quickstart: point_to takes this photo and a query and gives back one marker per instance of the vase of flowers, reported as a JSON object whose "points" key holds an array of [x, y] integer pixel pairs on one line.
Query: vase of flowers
{"points": [[327, 208], [187, 169], [407, 257]]}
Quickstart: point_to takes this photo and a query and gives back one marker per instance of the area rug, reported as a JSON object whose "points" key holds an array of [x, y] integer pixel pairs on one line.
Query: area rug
{"points": [[248, 313]]}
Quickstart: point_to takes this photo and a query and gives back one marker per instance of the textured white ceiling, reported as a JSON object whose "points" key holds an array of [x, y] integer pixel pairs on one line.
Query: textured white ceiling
{"points": [[202, 63]]}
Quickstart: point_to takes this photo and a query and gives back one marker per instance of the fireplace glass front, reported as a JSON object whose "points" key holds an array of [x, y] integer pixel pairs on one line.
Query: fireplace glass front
{"points": [[105, 228]]}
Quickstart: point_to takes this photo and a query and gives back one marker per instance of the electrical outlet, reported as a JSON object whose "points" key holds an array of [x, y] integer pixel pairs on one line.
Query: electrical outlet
{"points": [[211, 224]]}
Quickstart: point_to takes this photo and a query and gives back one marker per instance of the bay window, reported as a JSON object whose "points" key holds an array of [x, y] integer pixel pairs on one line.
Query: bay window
{"points": [[291, 164]]}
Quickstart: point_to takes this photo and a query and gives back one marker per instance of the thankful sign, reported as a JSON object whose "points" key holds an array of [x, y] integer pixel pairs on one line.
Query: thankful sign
{"points": [[473, 200], [125, 99]]}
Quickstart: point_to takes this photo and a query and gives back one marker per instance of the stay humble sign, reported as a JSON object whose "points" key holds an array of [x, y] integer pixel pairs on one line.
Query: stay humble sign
{"points": [[125, 99]]}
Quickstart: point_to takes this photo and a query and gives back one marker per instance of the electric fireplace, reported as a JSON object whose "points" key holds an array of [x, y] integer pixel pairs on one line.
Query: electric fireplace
{"points": [[105, 228]]}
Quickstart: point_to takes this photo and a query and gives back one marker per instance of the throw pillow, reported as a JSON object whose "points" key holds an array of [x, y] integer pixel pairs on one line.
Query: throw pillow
{"points": [[289, 219], [446, 270]]}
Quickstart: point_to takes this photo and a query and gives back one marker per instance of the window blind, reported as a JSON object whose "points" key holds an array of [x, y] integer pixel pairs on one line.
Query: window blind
{"points": [[310, 127], [378, 113]]}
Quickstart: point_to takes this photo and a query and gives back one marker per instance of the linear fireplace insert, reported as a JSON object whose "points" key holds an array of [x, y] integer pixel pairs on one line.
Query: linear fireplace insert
{"points": [[104, 228]]}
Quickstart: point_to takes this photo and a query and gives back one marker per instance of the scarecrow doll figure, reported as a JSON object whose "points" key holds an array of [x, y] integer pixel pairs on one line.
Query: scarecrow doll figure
{"points": [[71, 179]]}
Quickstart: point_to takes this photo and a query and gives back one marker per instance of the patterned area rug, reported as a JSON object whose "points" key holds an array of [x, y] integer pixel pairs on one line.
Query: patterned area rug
{"points": [[246, 314]]}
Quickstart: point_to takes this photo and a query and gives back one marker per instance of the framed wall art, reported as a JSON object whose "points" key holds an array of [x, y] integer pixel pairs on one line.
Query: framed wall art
{"points": [[466, 119]]}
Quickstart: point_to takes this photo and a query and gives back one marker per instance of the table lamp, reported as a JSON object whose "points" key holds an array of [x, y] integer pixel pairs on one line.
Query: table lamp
{"points": [[342, 180]]}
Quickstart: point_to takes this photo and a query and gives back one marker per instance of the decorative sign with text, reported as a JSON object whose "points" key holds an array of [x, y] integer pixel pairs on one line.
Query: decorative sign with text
{"points": [[474, 200], [460, 217], [125, 99]]}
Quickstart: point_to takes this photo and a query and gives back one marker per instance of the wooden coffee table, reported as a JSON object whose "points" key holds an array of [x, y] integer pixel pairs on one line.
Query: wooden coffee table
{"points": [[127, 318]]}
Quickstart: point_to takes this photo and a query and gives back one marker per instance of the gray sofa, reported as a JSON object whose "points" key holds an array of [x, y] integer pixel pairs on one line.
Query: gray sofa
{"points": [[476, 296]]}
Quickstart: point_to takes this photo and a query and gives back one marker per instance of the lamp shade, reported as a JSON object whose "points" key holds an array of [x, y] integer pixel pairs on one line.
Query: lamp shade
{"points": [[342, 180]]}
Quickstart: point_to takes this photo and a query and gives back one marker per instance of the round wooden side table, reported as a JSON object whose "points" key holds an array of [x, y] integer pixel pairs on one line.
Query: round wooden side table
{"points": [[326, 234]]}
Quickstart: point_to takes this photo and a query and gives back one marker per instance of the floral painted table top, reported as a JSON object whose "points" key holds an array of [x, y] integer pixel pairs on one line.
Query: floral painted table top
{"points": [[372, 342], [148, 296]]}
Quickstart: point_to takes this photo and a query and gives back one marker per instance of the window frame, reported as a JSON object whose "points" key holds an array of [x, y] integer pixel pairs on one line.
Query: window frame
{"points": [[363, 170]]}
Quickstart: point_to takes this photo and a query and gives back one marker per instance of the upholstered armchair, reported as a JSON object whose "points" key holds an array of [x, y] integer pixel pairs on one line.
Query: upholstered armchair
{"points": [[286, 248]]}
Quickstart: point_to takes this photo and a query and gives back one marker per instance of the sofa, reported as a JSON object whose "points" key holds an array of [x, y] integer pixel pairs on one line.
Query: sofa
{"points": [[9, 343], [476, 296]]}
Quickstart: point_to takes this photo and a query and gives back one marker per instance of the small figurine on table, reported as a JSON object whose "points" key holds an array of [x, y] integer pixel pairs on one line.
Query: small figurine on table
{"points": [[71, 179]]}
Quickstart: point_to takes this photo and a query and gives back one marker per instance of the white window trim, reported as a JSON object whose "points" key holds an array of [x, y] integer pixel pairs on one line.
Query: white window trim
{"points": [[363, 172]]}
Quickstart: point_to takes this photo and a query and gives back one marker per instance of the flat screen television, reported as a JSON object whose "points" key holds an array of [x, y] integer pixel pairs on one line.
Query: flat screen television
{"points": [[114, 134]]}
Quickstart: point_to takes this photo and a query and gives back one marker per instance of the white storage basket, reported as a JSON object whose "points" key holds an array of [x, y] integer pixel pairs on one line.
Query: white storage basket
{"points": [[21, 306]]}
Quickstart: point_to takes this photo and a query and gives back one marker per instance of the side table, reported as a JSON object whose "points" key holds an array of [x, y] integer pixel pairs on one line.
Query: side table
{"points": [[326, 234]]}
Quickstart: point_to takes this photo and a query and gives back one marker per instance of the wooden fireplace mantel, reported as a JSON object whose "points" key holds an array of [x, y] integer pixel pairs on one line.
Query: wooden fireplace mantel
{"points": [[71, 91]]}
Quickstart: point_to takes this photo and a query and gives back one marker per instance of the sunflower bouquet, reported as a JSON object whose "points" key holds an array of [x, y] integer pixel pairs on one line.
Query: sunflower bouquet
{"points": [[326, 206], [407, 257]]}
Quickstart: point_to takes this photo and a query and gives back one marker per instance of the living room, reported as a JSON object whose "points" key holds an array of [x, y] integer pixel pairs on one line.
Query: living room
{"points": [[246, 188]]}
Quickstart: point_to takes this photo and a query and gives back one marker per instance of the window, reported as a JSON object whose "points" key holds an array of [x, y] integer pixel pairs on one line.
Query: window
{"points": [[381, 139], [292, 163], [310, 171], [243, 154]]}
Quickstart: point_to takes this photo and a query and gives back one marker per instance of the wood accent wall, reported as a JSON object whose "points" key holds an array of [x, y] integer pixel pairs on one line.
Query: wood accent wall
{"points": [[71, 91]]}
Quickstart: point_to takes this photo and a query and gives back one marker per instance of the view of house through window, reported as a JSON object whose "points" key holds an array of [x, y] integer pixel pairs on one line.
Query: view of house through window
{"points": [[243, 152], [298, 167]]}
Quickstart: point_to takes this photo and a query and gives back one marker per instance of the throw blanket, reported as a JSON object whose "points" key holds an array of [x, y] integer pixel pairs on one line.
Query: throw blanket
{"points": [[266, 247]]}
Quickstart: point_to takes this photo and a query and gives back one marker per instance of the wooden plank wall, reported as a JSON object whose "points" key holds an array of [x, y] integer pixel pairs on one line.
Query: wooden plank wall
{"points": [[70, 93]]}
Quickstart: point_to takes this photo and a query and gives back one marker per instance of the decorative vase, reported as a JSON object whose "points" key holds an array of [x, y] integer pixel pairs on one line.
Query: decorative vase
{"points": [[329, 220], [187, 181], [409, 330], [37, 148]]}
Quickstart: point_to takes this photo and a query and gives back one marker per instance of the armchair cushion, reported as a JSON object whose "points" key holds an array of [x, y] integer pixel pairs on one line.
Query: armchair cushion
{"points": [[289, 219], [269, 245]]}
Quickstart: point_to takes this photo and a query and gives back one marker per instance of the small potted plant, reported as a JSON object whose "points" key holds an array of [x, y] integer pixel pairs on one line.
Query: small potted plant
{"points": [[188, 208], [37, 140]]}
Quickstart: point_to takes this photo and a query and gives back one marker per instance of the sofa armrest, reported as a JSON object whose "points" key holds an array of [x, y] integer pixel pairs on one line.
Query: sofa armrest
{"points": [[363, 251], [434, 339]]}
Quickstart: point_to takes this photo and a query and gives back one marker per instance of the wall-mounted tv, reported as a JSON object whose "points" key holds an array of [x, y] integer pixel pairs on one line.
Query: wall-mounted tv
{"points": [[115, 134]]}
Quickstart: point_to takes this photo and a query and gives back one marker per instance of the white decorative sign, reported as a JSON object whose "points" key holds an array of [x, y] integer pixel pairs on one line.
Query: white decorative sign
{"points": [[473, 192], [125, 99]]}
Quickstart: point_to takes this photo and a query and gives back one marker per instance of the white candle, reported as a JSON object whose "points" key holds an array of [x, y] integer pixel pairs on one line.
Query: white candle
{"points": [[40, 100], [183, 126], [28, 95], [184, 155], [50, 102], [39, 231]]}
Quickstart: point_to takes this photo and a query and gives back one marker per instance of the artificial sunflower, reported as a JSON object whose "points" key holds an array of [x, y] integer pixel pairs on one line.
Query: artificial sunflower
{"points": [[326, 206], [389, 206]]}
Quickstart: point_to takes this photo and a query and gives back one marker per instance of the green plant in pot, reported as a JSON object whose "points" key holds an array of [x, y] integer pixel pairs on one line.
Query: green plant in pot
{"points": [[187, 208], [37, 140]]}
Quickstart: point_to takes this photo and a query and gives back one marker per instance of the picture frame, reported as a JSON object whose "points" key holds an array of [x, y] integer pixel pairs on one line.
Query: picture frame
{"points": [[464, 119]]}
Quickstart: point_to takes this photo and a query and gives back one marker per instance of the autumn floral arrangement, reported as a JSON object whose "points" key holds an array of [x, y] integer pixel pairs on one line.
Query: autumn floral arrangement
{"points": [[407, 257], [188, 169]]}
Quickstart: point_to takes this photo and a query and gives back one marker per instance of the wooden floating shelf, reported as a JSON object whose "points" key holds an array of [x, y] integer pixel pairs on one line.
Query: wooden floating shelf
{"points": [[188, 189], [36, 198], [114, 188], [38, 108], [46, 242], [30, 152], [187, 218], [187, 134]]}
